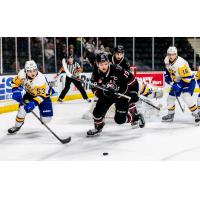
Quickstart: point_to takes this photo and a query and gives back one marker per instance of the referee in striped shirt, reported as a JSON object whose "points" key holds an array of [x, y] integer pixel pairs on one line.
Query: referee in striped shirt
{"points": [[75, 69]]}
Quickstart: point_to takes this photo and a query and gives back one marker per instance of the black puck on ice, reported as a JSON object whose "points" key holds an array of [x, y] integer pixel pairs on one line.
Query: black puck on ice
{"points": [[105, 153]]}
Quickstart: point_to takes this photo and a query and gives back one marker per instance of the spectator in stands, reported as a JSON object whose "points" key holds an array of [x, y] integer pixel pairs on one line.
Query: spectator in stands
{"points": [[16, 69], [36, 52], [90, 45], [78, 45], [100, 48], [64, 51], [49, 54], [49, 48], [107, 51], [87, 67], [72, 53]]}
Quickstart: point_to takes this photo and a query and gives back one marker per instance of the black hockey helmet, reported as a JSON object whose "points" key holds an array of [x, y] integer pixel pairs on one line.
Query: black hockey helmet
{"points": [[119, 48], [101, 57]]}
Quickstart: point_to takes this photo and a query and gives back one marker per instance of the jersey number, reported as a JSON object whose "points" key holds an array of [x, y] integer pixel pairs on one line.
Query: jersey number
{"points": [[40, 91], [126, 74]]}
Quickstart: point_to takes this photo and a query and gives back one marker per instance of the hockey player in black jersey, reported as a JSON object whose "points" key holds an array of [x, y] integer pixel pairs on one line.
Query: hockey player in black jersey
{"points": [[118, 58], [115, 79]]}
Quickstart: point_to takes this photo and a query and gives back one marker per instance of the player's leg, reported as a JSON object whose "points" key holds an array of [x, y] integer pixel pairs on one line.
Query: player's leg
{"points": [[81, 89], [121, 111], [198, 102], [134, 117], [99, 113], [171, 107], [21, 114], [190, 101], [65, 90], [46, 110]]}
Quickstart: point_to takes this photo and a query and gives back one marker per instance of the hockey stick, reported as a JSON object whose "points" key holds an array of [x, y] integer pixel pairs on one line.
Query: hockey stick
{"points": [[116, 93], [149, 103], [63, 141], [176, 97], [100, 87], [178, 101], [103, 88]]}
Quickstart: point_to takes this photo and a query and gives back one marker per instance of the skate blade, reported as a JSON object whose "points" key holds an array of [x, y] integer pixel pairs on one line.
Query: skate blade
{"points": [[169, 120], [95, 135], [135, 126], [12, 133]]}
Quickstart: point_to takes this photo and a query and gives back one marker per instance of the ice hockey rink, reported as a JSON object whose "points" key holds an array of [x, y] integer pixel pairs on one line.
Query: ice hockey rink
{"points": [[179, 140]]}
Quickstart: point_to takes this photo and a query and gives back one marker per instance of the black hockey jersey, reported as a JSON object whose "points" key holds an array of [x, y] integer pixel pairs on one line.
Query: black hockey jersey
{"points": [[118, 79], [124, 63]]}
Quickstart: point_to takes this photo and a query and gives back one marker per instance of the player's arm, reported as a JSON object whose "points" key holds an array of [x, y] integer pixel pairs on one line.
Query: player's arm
{"points": [[128, 76], [40, 96], [97, 92], [16, 82], [128, 65], [16, 88], [132, 83], [185, 74], [167, 76], [197, 77]]}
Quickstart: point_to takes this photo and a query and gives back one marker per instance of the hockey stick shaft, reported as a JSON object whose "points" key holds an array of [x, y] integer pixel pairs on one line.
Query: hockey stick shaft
{"points": [[147, 102], [100, 87], [118, 94], [63, 141], [89, 82], [178, 101]]}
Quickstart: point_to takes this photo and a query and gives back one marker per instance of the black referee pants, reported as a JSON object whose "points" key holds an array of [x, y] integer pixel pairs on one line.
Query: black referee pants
{"points": [[78, 84]]}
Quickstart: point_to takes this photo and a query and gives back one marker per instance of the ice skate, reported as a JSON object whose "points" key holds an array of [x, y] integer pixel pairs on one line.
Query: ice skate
{"points": [[14, 130], [96, 131], [168, 118], [196, 118]]}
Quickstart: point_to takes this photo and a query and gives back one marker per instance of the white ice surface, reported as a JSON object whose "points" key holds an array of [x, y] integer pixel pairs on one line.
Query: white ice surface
{"points": [[179, 140]]}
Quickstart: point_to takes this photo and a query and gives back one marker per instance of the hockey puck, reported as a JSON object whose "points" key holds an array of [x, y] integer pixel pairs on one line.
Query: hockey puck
{"points": [[105, 153]]}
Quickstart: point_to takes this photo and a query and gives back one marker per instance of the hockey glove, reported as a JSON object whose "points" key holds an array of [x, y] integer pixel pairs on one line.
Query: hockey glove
{"points": [[168, 79], [30, 106], [176, 87], [17, 95], [109, 92], [134, 96]]}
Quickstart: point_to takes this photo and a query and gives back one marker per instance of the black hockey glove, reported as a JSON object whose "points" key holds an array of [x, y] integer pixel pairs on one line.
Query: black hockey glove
{"points": [[134, 96], [109, 92]]}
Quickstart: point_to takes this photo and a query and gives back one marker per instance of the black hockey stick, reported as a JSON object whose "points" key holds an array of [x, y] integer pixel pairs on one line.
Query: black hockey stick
{"points": [[116, 93], [149, 103], [63, 141], [102, 88], [178, 101]]}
